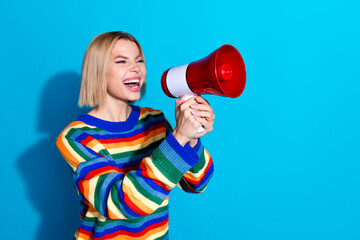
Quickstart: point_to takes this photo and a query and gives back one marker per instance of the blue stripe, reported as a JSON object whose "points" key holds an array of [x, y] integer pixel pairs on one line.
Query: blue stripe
{"points": [[206, 178], [105, 190], [202, 184], [139, 128], [151, 187], [133, 228], [128, 212], [87, 151], [181, 151]]}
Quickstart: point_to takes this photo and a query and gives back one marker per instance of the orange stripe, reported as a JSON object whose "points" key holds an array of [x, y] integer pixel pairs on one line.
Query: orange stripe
{"points": [[197, 180], [150, 174], [85, 189], [137, 141], [91, 144], [146, 235], [136, 201], [73, 161], [65, 152]]}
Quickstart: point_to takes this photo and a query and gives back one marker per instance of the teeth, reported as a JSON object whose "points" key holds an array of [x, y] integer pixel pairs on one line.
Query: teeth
{"points": [[132, 81]]}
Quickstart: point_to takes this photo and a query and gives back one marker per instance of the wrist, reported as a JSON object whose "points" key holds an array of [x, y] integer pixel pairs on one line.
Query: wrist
{"points": [[180, 138], [193, 142]]}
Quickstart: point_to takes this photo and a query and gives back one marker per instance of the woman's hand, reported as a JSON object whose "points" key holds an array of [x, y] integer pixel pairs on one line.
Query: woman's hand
{"points": [[204, 114], [190, 115], [186, 124]]}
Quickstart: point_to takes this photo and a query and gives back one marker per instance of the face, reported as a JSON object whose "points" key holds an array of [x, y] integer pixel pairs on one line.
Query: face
{"points": [[126, 72]]}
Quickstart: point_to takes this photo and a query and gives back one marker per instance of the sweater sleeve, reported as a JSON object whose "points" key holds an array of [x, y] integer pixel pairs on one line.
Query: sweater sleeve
{"points": [[115, 194], [196, 179]]}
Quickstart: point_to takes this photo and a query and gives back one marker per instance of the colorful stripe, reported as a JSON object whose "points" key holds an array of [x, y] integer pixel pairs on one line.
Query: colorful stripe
{"points": [[125, 171]]}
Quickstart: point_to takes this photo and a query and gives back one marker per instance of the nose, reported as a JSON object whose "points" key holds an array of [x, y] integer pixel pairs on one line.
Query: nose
{"points": [[134, 67]]}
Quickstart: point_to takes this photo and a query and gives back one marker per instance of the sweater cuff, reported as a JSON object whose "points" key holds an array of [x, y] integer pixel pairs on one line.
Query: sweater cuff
{"points": [[199, 151], [172, 159]]}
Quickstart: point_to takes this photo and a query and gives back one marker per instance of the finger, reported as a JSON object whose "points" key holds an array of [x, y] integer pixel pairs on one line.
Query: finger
{"points": [[201, 107], [187, 103], [179, 101], [208, 126], [202, 114], [202, 100]]}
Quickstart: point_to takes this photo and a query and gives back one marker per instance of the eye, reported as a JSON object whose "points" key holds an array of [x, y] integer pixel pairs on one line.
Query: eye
{"points": [[141, 61], [121, 61]]}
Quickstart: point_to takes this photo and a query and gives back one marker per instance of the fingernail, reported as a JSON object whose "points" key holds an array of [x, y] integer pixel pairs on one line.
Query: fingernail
{"points": [[194, 113]]}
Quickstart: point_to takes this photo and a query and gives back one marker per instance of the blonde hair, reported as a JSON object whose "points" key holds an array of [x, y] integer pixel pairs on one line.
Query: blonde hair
{"points": [[94, 71]]}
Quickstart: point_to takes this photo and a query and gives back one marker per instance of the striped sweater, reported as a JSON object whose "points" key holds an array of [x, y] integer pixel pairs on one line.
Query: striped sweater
{"points": [[124, 172]]}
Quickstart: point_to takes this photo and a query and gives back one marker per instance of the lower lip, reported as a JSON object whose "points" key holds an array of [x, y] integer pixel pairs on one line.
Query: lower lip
{"points": [[137, 89]]}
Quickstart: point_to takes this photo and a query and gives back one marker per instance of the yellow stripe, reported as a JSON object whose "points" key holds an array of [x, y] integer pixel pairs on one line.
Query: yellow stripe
{"points": [[146, 111], [150, 204], [157, 173], [114, 212], [135, 201], [142, 145], [200, 174], [92, 187]]}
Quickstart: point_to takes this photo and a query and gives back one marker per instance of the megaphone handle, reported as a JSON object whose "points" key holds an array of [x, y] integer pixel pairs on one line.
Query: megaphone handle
{"points": [[201, 129]]}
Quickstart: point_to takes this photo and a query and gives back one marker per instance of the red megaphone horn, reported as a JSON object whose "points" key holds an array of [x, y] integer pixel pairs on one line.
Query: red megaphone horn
{"points": [[221, 73]]}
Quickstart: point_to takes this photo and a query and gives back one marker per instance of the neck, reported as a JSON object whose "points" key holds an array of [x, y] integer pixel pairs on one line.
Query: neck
{"points": [[112, 111]]}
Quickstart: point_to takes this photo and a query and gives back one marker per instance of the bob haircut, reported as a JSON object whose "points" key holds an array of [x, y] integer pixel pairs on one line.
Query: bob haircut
{"points": [[94, 73]]}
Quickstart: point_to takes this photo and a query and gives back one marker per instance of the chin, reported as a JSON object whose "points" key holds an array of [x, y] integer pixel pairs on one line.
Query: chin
{"points": [[134, 98]]}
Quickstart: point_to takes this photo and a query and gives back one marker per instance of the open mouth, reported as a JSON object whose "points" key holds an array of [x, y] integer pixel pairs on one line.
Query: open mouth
{"points": [[132, 83]]}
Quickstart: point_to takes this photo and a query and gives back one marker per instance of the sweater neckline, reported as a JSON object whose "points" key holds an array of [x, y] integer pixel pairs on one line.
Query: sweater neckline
{"points": [[113, 126]]}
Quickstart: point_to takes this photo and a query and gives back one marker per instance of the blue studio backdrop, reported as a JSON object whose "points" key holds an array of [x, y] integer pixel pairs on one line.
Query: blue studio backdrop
{"points": [[286, 152]]}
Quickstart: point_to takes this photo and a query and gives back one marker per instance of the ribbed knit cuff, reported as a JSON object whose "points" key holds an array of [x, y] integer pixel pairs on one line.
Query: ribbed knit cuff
{"points": [[172, 159], [198, 150]]}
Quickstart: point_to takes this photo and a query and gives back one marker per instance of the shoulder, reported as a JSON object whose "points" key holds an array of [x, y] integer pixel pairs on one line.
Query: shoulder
{"points": [[73, 130], [146, 112]]}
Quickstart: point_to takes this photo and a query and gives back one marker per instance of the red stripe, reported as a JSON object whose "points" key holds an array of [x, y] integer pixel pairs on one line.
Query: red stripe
{"points": [[86, 140], [133, 207], [156, 181], [85, 232], [205, 172], [134, 234], [135, 137]]}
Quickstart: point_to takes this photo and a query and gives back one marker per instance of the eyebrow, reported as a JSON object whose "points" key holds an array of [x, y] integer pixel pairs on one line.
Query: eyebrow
{"points": [[121, 56]]}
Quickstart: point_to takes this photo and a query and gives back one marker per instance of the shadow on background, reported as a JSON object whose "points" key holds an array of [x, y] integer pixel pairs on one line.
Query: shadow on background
{"points": [[47, 176]]}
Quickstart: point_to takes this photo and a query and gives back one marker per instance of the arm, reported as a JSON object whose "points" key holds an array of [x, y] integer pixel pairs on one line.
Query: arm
{"points": [[196, 179], [113, 193]]}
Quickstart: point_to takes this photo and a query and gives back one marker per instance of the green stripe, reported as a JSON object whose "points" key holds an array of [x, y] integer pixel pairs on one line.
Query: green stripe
{"points": [[151, 115], [99, 183], [199, 165], [138, 151], [163, 236], [77, 150], [130, 220], [143, 191], [115, 198], [166, 167]]}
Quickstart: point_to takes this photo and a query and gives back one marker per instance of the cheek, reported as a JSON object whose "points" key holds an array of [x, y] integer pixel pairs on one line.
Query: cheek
{"points": [[143, 70]]}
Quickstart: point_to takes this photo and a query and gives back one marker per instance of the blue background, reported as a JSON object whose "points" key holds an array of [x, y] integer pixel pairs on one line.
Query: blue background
{"points": [[286, 152]]}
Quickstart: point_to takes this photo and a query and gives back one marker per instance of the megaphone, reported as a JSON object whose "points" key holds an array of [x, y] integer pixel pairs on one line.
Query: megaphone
{"points": [[221, 73]]}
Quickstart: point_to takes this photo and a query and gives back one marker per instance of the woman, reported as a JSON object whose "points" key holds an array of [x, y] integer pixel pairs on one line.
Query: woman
{"points": [[125, 159]]}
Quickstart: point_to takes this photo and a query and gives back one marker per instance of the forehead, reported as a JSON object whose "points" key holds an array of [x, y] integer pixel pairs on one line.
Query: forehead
{"points": [[125, 48]]}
